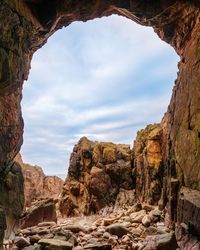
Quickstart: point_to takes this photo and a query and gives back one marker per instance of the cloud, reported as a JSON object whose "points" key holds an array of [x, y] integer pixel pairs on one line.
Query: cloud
{"points": [[105, 79]]}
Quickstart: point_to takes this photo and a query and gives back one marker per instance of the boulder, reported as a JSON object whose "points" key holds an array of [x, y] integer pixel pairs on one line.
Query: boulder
{"points": [[155, 215], [54, 244], [41, 211], [117, 229], [146, 221], [34, 247], [166, 241], [34, 238], [137, 217], [98, 247], [21, 242], [74, 228]]}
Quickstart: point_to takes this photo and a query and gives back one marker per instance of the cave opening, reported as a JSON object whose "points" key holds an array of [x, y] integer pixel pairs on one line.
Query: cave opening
{"points": [[104, 79], [26, 26]]}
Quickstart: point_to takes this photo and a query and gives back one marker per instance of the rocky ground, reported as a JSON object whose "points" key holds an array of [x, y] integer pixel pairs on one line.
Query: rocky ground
{"points": [[133, 227]]}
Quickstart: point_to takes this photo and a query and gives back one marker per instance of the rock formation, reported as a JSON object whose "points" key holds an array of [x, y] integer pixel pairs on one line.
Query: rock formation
{"points": [[36, 184], [12, 195], [148, 163], [26, 25], [41, 211], [97, 172]]}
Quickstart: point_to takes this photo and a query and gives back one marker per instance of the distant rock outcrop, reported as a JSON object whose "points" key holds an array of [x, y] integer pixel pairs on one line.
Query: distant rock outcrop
{"points": [[40, 211], [97, 172], [36, 184]]}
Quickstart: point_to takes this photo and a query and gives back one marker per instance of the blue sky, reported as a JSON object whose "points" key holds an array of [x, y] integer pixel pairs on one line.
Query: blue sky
{"points": [[105, 79]]}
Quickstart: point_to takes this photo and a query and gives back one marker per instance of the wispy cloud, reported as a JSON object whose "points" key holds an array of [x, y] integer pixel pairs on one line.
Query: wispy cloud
{"points": [[105, 79]]}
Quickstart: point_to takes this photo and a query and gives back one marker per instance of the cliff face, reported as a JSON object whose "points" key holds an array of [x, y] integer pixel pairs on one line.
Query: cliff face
{"points": [[36, 184], [26, 25], [149, 165], [12, 194], [97, 171]]}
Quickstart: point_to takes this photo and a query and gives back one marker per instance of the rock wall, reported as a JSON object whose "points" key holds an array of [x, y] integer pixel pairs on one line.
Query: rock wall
{"points": [[12, 195], [100, 173], [26, 25], [148, 162], [97, 172], [36, 184]]}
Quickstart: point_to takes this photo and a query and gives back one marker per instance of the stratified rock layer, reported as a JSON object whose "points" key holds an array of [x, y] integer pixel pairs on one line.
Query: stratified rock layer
{"points": [[97, 172], [36, 184]]}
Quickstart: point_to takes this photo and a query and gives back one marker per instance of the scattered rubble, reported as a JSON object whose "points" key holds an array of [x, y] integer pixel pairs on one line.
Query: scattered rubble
{"points": [[117, 229]]}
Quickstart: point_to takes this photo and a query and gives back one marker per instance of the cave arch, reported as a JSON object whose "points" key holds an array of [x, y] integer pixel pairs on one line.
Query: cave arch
{"points": [[25, 27], [77, 81]]}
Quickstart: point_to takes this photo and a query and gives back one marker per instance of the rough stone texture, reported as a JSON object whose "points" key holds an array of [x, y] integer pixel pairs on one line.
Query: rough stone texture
{"points": [[21, 242], [125, 198], [25, 26], [189, 210], [161, 242], [36, 184], [54, 244], [117, 229], [98, 247], [166, 241], [43, 210], [148, 164], [12, 194], [3, 225], [97, 171], [109, 229]]}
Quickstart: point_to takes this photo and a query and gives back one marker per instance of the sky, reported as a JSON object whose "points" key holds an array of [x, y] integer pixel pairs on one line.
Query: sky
{"points": [[104, 79]]}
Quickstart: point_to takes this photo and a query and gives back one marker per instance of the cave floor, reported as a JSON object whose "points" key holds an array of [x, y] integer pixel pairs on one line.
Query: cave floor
{"points": [[118, 229]]}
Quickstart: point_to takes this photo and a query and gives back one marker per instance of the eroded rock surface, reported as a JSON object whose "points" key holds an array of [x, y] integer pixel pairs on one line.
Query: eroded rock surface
{"points": [[148, 163], [12, 195], [40, 211], [36, 184], [188, 212], [97, 172]]}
